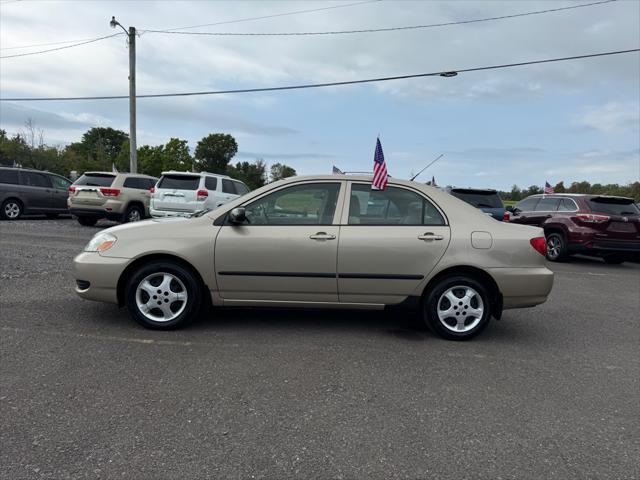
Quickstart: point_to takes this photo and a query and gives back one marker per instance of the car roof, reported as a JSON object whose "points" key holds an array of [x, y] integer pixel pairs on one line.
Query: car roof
{"points": [[119, 173], [178, 172], [480, 191], [579, 195]]}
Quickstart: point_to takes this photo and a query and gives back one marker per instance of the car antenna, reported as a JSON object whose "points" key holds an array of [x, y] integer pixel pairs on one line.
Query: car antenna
{"points": [[416, 175]]}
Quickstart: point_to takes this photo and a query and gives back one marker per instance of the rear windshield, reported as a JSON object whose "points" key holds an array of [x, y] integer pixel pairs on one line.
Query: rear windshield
{"points": [[613, 206], [479, 199], [179, 182], [95, 180]]}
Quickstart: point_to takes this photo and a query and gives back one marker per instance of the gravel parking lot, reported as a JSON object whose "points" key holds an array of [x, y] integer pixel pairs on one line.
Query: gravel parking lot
{"points": [[549, 392]]}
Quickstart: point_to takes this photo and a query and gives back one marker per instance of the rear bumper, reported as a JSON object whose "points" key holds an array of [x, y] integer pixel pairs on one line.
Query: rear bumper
{"points": [[598, 247], [99, 275], [170, 213], [523, 287], [95, 213]]}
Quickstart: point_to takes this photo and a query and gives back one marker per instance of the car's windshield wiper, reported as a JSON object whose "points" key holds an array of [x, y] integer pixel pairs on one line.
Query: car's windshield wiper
{"points": [[202, 212]]}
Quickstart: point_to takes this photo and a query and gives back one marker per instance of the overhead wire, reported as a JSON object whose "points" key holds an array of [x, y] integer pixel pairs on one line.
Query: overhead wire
{"points": [[444, 73], [93, 40]]}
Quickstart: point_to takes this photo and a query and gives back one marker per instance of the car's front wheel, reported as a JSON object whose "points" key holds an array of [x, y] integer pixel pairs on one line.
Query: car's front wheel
{"points": [[163, 295], [457, 308]]}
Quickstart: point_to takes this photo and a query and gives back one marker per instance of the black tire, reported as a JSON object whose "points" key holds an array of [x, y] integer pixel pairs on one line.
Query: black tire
{"points": [[613, 259], [434, 296], [87, 221], [133, 213], [51, 215], [556, 247], [158, 269], [12, 209]]}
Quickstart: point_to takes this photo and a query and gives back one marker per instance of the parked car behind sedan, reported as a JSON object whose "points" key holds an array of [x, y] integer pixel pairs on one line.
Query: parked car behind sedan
{"points": [[28, 191], [324, 242], [186, 193], [123, 197], [484, 199], [598, 225]]}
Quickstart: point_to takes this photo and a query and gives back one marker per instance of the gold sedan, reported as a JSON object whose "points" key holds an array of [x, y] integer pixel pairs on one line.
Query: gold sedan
{"points": [[326, 242]]}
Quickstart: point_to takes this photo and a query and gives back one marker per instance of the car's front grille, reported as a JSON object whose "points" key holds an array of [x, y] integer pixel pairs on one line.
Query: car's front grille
{"points": [[83, 284]]}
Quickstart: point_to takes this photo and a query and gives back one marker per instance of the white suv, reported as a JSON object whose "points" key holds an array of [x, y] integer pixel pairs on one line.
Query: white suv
{"points": [[186, 193]]}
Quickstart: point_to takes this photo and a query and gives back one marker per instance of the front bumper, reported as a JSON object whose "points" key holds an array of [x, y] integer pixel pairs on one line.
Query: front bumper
{"points": [[99, 275], [524, 286]]}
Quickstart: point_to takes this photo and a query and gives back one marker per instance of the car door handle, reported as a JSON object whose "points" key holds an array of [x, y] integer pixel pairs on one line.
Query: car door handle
{"points": [[322, 236], [430, 236]]}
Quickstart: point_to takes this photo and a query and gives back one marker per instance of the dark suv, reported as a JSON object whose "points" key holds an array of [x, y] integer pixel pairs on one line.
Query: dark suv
{"points": [[23, 190], [484, 199], [600, 225]]}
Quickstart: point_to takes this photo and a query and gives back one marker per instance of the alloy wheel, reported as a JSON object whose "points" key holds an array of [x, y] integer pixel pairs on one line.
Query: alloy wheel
{"points": [[161, 297], [554, 246], [134, 215], [460, 309], [12, 210]]}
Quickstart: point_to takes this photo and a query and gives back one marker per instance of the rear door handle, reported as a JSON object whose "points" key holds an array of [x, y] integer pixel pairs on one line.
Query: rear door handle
{"points": [[322, 236], [430, 236]]}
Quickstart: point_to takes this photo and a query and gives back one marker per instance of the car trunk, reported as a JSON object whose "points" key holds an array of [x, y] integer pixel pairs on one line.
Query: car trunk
{"points": [[176, 193], [615, 218], [89, 189]]}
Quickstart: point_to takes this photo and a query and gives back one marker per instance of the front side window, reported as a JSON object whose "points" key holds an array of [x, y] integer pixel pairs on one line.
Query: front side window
{"points": [[392, 206], [59, 182], [311, 204]]}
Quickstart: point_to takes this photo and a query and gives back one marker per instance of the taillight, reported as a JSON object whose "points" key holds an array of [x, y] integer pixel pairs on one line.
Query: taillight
{"points": [[591, 218], [540, 245], [152, 190], [506, 217], [202, 194], [72, 189], [110, 192]]}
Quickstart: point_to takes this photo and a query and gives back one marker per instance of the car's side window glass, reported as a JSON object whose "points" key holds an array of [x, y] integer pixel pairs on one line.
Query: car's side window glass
{"points": [[34, 179], [566, 205], [227, 186], [151, 182], [527, 205], [241, 188], [392, 206], [133, 182], [59, 182], [310, 204], [211, 183], [547, 204], [9, 176]]}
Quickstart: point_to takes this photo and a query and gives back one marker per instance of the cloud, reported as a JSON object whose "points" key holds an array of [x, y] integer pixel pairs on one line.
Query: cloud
{"points": [[612, 117]]}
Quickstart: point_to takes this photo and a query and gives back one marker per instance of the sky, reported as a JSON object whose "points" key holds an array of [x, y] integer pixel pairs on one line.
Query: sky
{"points": [[568, 121]]}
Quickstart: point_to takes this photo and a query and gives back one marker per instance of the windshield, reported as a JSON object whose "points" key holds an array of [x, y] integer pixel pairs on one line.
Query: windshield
{"points": [[479, 199], [179, 182], [613, 206], [95, 180]]}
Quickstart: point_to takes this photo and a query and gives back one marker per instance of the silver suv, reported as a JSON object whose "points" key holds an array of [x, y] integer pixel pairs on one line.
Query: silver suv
{"points": [[186, 193], [123, 197]]}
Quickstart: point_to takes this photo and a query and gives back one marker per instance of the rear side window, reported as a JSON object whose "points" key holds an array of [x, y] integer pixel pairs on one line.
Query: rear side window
{"points": [[479, 199], [9, 176], [133, 182], [528, 204], [241, 188], [567, 205], [211, 183], [148, 183], [613, 206], [227, 186], [95, 180], [547, 205], [34, 179], [180, 182]]}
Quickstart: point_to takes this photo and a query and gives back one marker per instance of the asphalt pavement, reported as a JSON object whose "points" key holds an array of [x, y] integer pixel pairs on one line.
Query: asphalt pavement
{"points": [[550, 392]]}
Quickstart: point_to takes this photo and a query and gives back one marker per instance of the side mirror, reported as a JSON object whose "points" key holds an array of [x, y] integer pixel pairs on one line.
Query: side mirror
{"points": [[509, 208], [238, 216]]}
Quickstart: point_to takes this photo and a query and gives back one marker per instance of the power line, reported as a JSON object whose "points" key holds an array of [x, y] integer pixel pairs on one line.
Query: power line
{"points": [[444, 73], [62, 48], [47, 44], [226, 22], [388, 29]]}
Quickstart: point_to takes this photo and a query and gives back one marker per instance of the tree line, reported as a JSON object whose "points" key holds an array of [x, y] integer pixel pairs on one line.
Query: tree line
{"points": [[101, 148], [631, 190]]}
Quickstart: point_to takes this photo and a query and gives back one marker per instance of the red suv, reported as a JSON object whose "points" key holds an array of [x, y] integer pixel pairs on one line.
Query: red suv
{"points": [[599, 225]]}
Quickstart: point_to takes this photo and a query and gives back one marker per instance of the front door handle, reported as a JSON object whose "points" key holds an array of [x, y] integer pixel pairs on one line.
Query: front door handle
{"points": [[430, 236], [322, 236]]}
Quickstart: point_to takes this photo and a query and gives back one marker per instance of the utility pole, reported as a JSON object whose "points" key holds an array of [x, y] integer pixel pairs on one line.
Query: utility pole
{"points": [[133, 150]]}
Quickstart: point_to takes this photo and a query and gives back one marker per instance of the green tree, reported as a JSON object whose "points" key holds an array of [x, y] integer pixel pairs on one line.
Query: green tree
{"points": [[280, 171], [215, 151], [516, 193], [151, 159], [101, 146], [559, 188], [254, 175], [176, 155], [532, 190]]}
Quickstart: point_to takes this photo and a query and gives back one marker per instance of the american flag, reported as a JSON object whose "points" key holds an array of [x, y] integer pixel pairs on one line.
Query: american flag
{"points": [[548, 188], [337, 171], [379, 169]]}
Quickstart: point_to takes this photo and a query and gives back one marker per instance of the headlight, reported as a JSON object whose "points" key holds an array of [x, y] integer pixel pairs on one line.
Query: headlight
{"points": [[100, 243]]}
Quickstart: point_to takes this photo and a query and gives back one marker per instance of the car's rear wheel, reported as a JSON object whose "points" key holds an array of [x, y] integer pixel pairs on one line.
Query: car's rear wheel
{"points": [[457, 307], [133, 214], [556, 247], [163, 295], [613, 259], [87, 221], [11, 209]]}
